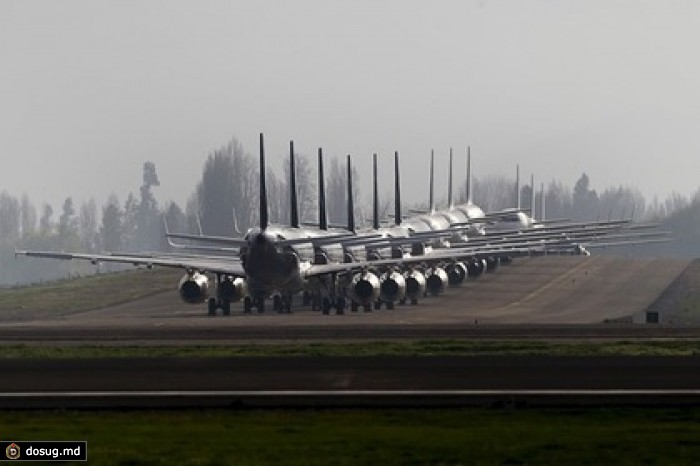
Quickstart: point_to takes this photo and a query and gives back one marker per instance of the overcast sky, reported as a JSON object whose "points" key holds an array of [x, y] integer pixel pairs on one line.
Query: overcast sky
{"points": [[92, 89]]}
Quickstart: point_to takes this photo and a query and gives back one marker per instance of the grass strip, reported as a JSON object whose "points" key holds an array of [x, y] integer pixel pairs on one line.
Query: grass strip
{"points": [[91, 292], [378, 348], [617, 436]]}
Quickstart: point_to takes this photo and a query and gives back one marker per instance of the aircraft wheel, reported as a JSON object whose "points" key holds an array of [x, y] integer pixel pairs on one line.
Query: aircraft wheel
{"points": [[340, 305], [211, 306], [277, 304], [326, 306]]}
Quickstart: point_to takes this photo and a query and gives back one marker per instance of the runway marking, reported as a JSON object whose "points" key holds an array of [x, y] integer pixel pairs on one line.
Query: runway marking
{"points": [[352, 393]]}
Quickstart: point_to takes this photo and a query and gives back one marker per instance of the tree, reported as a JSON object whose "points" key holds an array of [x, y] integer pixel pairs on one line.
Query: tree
{"points": [[45, 222], [229, 181], [88, 226], [68, 223], [9, 218], [147, 234], [111, 231], [28, 216]]}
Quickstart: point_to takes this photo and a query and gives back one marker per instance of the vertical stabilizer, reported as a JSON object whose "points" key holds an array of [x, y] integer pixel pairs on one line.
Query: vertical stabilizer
{"points": [[322, 216], [431, 198], [397, 190], [351, 200], [450, 205], [517, 186], [264, 222], [468, 188], [542, 204], [532, 196], [375, 200], [294, 207]]}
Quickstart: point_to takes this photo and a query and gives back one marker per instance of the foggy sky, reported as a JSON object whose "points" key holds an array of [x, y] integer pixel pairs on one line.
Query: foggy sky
{"points": [[92, 89]]}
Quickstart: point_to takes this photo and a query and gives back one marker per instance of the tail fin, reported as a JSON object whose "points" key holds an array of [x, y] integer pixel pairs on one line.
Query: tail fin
{"points": [[542, 204], [294, 212], [532, 196], [468, 187], [449, 185], [397, 190], [351, 201], [264, 221], [431, 198], [517, 186], [235, 223], [322, 217], [375, 202]]}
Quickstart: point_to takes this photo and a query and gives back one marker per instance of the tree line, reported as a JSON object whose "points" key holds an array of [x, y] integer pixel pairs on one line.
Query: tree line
{"points": [[225, 203]]}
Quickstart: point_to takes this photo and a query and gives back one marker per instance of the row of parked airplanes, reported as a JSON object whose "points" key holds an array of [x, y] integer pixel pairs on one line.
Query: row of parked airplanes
{"points": [[335, 267]]}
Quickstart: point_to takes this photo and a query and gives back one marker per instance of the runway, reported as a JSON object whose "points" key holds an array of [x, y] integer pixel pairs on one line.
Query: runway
{"points": [[555, 297], [347, 381]]}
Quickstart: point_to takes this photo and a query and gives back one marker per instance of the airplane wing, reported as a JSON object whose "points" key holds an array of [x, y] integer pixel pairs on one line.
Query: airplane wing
{"points": [[223, 265]]}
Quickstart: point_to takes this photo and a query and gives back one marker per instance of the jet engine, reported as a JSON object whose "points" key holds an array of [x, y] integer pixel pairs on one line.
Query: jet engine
{"points": [[194, 288], [475, 267], [456, 273], [436, 280], [415, 285], [364, 288], [492, 264], [392, 287], [232, 289]]}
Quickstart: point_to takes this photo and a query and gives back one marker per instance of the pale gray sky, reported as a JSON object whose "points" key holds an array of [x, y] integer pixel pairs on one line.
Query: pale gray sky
{"points": [[91, 89]]}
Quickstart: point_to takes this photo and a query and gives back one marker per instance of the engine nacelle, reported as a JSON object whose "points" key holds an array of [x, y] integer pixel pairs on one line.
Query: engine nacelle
{"points": [[392, 287], [232, 289], [456, 273], [194, 288], [364, 288], [436, 280], [475, 267], [415, 285]]}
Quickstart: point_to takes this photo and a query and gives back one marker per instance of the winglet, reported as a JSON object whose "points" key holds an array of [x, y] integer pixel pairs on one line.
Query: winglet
{"points": [[322, 215], [294, 212], [264, 222], [397, 190]]}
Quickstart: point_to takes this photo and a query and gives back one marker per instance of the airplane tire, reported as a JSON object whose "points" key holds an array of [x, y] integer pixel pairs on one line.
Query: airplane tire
{"points": [[326, 306], [277, 304], [340, 305], [211, 306]]}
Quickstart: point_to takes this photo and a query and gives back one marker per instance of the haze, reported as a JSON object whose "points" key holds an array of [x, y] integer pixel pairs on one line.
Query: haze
{"points": [[91, 89]]}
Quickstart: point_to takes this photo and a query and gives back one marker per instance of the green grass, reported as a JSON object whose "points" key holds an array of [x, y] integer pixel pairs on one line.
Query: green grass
{"points": [[92, 292], [379, 437], [405, 348]]}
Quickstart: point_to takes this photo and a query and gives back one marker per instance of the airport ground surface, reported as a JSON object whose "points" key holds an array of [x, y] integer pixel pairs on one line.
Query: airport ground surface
{"points": [[555, 297], [581, 298]]}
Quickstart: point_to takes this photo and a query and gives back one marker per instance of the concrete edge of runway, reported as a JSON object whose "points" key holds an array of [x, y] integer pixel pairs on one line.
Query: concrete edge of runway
{"points": [[349, 399]]}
